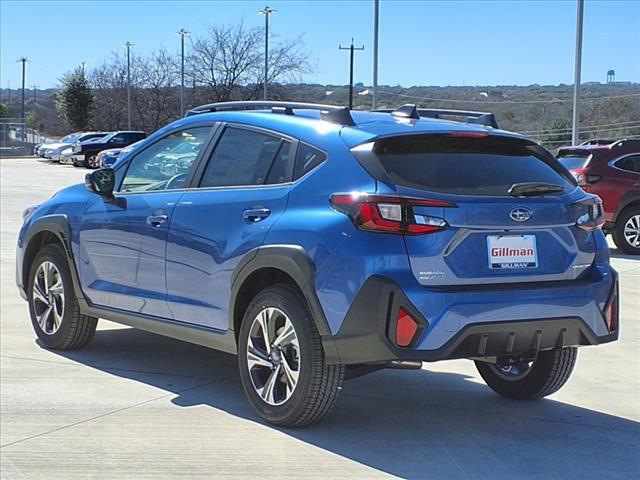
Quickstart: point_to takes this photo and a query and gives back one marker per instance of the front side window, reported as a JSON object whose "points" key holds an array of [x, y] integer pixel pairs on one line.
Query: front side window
{"points": [[118, 139], [246, 157], [165, 164]]}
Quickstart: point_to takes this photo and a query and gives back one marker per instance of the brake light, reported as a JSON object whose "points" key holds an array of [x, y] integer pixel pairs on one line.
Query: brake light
{"points": [[389, 214], [583, 178], [462, 134], [406, 328], [593, 218]]}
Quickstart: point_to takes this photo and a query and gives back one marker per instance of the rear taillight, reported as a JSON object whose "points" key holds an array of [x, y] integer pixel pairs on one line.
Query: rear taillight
{"points": [[389, 214], [583, 178], [592, 216]]}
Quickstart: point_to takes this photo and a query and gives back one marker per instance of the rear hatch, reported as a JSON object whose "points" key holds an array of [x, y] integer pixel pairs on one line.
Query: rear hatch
{"points": [[497, 229]]}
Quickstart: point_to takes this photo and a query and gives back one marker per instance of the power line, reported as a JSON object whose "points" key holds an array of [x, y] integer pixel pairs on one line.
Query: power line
{"points": [[586, 127], [506, 102], [597, 130]]}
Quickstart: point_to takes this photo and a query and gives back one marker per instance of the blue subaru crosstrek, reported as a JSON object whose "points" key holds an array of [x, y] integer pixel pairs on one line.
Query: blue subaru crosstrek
{"points": [[319, 244]]}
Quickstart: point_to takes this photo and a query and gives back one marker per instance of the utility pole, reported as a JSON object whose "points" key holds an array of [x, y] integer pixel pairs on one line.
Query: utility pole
{"points": [[376, 18], [34, 92], [182, 34], [24, 61], [266, 11], [128, 45], [351, 49], [576, 78]]}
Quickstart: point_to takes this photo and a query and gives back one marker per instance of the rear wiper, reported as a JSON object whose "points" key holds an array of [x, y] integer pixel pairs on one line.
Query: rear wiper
{"points": [[531, 189]]}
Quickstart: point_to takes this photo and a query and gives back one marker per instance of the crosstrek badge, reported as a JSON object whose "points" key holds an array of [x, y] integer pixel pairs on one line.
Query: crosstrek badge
{"points": [[512, 251]]}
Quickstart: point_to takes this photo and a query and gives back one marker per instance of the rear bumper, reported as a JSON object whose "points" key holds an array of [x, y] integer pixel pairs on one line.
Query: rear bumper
{"points": [[491, 329]]}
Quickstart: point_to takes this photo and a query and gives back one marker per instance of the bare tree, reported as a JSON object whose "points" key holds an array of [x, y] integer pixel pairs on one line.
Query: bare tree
{"points": [[108, 82], [155, 96], [228, 62]]}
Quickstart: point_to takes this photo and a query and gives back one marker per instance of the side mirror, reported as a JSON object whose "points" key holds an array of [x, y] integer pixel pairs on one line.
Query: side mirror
{"points": [[101, 181]]}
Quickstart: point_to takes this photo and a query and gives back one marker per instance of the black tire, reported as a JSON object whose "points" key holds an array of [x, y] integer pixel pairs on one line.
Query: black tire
{"points": [[546, 375], [75, 330], [618, 232], [318, 384], [91, 161]]}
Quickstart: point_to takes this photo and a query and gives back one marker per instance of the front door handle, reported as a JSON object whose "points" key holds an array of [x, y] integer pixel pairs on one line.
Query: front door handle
{"points": [[254, 215], [157, 220]]}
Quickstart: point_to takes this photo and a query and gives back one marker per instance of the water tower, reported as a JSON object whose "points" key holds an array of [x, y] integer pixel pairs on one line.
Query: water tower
{"points": [[611, 76]]}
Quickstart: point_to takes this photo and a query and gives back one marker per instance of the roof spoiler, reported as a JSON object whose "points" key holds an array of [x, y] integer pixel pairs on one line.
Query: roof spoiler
{"points": [[330, 113], [410, 110]]}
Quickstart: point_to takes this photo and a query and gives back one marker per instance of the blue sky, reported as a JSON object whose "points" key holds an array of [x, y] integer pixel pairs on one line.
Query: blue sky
{"points": [[421, 42]]}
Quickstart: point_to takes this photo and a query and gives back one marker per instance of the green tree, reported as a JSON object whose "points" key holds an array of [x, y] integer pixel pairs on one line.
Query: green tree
{"points": [[75, 99], [31, 119], [4, 110]]}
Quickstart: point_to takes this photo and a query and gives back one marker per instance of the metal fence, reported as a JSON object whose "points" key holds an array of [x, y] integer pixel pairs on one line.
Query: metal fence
{"points": [[17, 139]]}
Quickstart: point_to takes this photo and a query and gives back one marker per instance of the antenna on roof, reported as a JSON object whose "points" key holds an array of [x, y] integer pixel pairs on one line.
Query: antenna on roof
{"points": [[407, 110]]}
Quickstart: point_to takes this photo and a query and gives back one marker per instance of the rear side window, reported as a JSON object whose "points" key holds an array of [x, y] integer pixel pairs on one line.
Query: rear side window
{"points": [[630, 163], [573, 161], [463, 166], [245, 157], [307, 159]]}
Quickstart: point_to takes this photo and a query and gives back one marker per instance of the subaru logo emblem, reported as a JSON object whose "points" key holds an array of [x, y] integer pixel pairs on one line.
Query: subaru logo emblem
{"points": [[521, 214]]}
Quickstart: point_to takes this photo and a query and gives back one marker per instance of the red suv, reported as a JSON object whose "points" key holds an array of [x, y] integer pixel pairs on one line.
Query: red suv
{"points": [[611, 170]]}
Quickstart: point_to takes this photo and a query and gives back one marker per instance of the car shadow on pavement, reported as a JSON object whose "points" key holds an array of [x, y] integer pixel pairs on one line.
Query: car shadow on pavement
{"points": [[616, 253], [411, 424]]}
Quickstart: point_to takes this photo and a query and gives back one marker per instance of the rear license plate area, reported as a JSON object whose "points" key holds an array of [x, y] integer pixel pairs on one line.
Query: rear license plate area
{"points": [[512, 252]]}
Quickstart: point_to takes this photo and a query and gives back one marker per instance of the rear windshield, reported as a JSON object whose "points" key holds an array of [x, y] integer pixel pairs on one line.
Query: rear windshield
{"points": [[574, 161], [464, 166]]}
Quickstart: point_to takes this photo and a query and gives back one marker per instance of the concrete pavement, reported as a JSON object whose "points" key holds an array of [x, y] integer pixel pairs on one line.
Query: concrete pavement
{"points": [[136, 405]]}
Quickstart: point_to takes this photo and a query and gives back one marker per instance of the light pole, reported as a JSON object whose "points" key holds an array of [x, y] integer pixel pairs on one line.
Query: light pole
{"points": [[376, 15], [128, 45], [351, 49], [182, 34], [576, 77], [24, 61], [266, 11]]}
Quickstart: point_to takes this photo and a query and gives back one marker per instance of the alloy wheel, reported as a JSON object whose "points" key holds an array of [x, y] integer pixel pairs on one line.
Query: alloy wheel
{"points": [[48, 297], [632, 231], [513, 371], [273, 356]]}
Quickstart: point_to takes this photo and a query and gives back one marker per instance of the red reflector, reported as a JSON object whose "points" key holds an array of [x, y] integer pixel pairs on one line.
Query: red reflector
{"points": [[611, 314], [406, 328]]}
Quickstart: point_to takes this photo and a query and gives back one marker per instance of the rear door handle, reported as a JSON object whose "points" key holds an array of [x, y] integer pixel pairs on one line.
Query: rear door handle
{"points": [[254, 215], [157, 220]]}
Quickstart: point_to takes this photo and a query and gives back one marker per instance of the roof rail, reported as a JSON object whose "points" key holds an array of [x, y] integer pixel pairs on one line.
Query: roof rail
{"points": [[626, 142], [330, 113], [597, 141], [410, 111]]}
